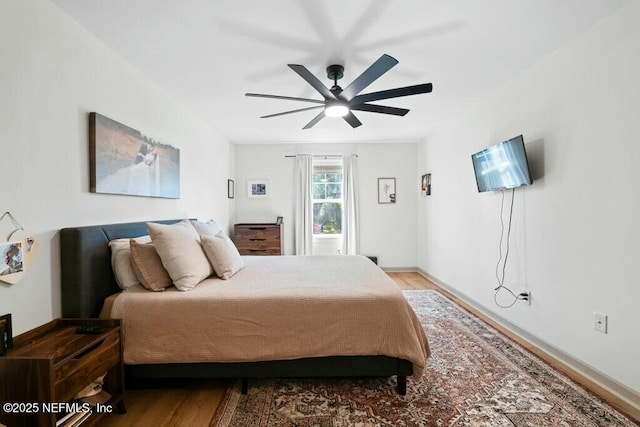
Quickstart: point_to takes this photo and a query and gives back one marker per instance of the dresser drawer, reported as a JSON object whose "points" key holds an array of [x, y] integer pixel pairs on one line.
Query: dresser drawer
{"points": [[258, 244], [79, 370], [271, 251], [258, 239], [257, 233]]}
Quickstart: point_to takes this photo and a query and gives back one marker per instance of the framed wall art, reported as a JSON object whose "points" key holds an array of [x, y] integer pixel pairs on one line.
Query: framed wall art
{"points": [[12, 258], [425, 184], [17, 253], [126, 161], [258, 188], [386, 190], [231, 189]]}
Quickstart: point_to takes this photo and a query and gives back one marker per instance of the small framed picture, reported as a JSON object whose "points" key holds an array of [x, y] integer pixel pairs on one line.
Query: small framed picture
{"points": [[231, 189], [11, 258], [426, 184], [279, 220], [258, 189], [386, 190]]}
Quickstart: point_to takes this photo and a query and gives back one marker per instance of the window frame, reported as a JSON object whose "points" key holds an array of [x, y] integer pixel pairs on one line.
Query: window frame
{"points": [[331, 166]]}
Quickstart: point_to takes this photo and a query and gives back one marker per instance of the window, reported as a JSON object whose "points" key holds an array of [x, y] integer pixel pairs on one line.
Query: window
{"points": [[327, 198]]}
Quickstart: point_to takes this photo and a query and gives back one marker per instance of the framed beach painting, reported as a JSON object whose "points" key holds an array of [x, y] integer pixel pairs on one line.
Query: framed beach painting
{"points": [[126, 161]]}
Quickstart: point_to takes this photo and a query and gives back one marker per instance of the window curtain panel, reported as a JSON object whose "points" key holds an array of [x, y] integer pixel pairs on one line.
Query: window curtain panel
{"points": [[303, 241], [350, 221]]}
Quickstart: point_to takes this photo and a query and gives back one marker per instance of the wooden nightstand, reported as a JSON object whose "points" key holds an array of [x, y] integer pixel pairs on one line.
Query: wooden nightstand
{"points": [[258, 239], [52, 363]]}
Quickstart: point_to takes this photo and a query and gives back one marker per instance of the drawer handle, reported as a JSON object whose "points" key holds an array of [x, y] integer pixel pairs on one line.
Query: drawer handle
{"points": [[258, 250], [257, 240], [88, 350], [257, 228]]}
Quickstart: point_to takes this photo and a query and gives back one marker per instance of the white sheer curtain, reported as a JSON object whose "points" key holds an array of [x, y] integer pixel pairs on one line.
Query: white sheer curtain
{"points": [[350, 221], [303, 205]]}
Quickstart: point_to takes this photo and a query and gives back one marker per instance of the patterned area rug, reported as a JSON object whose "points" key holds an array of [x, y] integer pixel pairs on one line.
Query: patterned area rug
{"points": [[475, 377]]}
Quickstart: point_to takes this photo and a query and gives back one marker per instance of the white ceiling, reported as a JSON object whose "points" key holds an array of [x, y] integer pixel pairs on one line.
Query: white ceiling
{"points": [[208, 53]]}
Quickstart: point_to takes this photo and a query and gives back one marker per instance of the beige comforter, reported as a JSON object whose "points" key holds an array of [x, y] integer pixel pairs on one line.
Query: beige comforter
{"points": [[276, 308]]}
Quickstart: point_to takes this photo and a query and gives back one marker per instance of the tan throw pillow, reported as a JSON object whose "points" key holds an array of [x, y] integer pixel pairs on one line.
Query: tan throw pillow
{"points": [[209, 228], [181, 253], [121, 261], [222, 254], [148, 268]]}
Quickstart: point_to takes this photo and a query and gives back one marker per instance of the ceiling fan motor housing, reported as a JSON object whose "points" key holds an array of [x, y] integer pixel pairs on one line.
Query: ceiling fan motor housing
{"points": [[335, 72]]}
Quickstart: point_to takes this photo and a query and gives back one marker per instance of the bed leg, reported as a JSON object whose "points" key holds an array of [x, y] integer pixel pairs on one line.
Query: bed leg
{"points": [[402, 385], [244, 385]]}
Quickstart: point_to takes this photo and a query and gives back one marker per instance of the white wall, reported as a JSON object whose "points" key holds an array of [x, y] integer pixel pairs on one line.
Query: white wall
{"points": [[387, 231], [52, 74], [576, 230]]}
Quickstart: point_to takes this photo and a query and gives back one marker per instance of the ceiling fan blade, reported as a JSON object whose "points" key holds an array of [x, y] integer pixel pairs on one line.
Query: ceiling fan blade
{"points": [[312, 80], [371, 74], [290, 98], [292, 111], [392, 93], [315, 120], [380, 109], [352, 120]]}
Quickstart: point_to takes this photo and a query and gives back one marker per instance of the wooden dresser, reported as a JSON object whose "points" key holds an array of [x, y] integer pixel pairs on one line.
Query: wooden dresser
{"points": [[258, 239], [49, 365]]}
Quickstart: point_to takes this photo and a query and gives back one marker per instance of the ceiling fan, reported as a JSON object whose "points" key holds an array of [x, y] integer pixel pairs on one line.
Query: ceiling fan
{"points": [[340, 102]]}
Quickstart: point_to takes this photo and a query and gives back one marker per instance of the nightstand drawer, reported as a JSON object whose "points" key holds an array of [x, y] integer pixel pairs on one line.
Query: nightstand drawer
{"points": [[54, 362], [80, 369]]}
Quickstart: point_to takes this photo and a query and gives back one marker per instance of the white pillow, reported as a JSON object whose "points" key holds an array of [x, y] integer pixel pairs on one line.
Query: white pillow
{"points": [[223, 255], [181, 253], [209, 228], [121, 261]]}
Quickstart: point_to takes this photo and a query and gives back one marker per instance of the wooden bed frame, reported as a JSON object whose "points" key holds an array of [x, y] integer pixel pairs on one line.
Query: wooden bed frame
{"points": [[87, 279]]}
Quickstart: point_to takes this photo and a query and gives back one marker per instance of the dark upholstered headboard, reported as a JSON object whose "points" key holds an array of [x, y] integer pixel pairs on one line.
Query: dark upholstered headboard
{"points": [[85, 257]]}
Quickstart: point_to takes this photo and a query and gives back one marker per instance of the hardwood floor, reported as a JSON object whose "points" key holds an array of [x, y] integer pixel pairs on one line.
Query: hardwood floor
{"points": [[412, 281], [193, 403], [180, 404]]}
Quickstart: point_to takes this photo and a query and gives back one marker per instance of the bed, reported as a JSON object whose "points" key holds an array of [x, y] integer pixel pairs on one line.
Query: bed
{"points": [[88, 280]]}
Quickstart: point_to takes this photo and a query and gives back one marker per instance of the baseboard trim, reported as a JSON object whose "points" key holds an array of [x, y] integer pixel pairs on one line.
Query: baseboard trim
{"points": [[616, 394]]}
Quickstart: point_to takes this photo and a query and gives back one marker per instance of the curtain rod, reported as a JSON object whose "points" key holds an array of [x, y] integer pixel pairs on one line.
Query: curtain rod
{"points": [[320, 156]]}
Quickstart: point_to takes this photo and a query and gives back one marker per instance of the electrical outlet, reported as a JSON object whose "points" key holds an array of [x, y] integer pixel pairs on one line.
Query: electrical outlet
{"points": [[600, 322], [525, 296]]}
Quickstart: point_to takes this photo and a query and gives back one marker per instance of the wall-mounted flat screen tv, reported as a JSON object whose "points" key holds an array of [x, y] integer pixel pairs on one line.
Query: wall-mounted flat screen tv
{"points": [[502, 166]]}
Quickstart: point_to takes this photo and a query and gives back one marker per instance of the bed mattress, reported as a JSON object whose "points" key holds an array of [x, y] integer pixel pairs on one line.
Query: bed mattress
{"points": [[276, 308]]}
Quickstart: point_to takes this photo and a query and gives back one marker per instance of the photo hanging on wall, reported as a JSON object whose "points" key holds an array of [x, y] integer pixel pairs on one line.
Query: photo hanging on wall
{"points": [[258, 188], [425, 184], [231, 189], [12, 257], [386, 190], [126, 161]]}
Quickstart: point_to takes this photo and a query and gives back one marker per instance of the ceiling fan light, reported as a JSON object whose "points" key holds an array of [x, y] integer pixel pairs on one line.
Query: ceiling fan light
{"points": [[336, 110]]}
